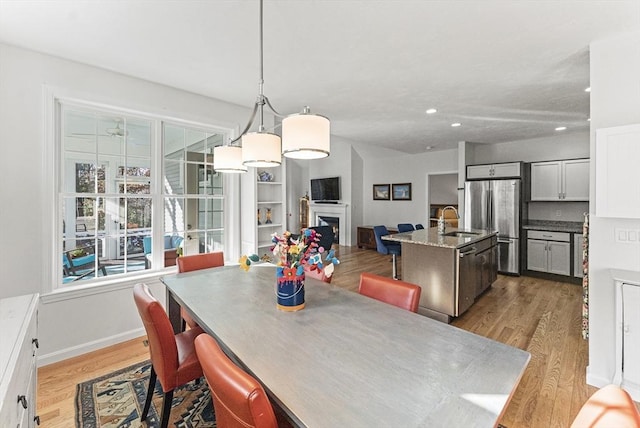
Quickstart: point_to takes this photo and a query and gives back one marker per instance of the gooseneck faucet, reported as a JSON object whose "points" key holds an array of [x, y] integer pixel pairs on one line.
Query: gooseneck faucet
{"points": [[441, 223]]}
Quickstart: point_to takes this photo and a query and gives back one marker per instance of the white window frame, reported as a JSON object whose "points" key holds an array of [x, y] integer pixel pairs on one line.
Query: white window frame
{"points": [[52, 288]]}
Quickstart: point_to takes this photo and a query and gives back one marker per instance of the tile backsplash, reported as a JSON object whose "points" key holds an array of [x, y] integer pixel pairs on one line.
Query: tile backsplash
{"points": [[558, 211]]}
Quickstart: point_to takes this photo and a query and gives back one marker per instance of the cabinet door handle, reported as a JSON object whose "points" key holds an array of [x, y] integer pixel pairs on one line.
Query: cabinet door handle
{"points": [[468, 252], [35, 342], [547, 236], [36, 419], [22, 400]]}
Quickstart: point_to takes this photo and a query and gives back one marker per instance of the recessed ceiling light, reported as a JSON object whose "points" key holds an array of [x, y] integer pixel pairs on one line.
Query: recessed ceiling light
{"points": [[429, 147], [588, 89], [455, 125], [561, 128], [431, 111], [588, 119]]}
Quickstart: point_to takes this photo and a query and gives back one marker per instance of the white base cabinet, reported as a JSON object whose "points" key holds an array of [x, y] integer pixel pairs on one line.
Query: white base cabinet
{"points": [[18, 375], [627, 332], [549, 252]]}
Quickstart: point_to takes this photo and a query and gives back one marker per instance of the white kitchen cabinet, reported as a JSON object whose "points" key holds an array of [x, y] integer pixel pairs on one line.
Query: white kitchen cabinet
{"points": [[562, 180], [18, 375], [578, 240], [631, 334], [627, 332], [548, 252], [617, 160], [497, 170], [263, 208]]}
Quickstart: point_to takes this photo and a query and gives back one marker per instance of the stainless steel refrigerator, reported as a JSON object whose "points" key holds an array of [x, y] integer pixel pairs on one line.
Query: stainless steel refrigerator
{"points": [[495, 205]]}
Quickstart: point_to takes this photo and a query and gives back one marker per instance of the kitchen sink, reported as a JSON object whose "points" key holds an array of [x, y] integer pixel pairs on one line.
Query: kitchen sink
{"points": [[462, 234]]}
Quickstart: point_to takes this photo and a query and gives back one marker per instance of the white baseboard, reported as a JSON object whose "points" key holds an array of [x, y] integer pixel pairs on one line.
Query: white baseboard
{"points": [[84, 348], [596, 380], [600, 381]]}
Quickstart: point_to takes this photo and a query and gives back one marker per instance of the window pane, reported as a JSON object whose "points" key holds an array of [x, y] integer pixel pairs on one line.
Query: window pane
{"points": [[173, 178], [174, 220]]}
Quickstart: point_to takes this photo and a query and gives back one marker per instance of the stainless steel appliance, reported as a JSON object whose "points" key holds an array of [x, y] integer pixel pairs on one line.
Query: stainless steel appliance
{"points": [[495, 205]]}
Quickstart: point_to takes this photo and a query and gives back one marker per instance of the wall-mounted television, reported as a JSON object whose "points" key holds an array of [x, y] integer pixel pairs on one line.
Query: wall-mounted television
{"points": [[325, 189]]}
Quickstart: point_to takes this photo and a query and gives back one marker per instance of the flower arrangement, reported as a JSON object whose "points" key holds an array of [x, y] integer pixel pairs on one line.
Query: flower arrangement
{"points": [[292, 254]]}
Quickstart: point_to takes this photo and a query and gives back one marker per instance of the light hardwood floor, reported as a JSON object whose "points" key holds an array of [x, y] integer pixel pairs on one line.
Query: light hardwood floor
{"points": [[542, 317]]}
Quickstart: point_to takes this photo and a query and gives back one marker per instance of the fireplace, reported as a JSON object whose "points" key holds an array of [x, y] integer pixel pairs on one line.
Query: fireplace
{"points": [[333, 211], [334, 223]]}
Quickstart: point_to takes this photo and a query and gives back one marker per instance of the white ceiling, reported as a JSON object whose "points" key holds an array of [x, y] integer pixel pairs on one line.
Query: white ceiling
{"points": [[506, 70]]}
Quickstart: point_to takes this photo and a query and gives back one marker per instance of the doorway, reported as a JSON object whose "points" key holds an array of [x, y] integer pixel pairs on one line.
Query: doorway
{"points": [[443, 191]]}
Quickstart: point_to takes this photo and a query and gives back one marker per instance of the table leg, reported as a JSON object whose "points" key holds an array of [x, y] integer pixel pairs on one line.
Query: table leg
{"points": [[173, 310]]}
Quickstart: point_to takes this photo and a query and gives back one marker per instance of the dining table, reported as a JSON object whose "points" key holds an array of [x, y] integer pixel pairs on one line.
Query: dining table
{"points": [[347, 360]]}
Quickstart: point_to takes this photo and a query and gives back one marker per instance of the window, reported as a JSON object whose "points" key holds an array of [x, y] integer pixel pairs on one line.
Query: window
{"points": [[134, 192]]}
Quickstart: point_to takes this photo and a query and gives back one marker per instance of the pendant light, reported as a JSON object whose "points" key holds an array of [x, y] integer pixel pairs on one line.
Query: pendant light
{"points": [[228, 159], [305, 135]]}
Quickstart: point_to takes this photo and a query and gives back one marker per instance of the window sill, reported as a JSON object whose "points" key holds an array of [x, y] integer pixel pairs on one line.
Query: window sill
{"points": [[67, 292]]}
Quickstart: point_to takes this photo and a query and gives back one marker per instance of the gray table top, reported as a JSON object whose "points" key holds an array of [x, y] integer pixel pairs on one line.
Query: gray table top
{"points": [[348, 360]]}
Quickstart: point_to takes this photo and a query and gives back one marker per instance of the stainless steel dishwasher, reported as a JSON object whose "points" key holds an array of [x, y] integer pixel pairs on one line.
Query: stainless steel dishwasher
{"points": [[467, 278]]}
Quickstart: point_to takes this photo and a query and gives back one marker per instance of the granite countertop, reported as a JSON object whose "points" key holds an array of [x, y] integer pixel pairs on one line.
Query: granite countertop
{"points": [[554, 226], [430, 237]]}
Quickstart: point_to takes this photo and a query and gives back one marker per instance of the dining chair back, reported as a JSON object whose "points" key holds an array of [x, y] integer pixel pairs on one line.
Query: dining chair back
{"points": [[387, 247], [316, 274], [405, 227], [197, 262], [398, 293], [327, 236], [610, 406], [173, 358], [238, 399], [200, 261]]}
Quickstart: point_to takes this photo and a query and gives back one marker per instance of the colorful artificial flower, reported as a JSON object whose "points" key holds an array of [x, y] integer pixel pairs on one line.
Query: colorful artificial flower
{"points": [[291, 254], [245, 261]]}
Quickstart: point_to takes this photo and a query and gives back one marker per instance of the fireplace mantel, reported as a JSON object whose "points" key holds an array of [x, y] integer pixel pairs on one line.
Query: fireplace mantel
{"points": [[341, 211]]}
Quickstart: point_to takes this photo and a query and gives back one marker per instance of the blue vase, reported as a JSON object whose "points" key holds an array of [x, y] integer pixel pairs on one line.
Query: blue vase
{"points": [[290, 292]]}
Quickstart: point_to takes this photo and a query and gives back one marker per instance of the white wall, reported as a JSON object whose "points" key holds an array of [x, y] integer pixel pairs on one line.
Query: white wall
{"points": [[615, 101], [68, 326], [412, 169], [573, 145]]}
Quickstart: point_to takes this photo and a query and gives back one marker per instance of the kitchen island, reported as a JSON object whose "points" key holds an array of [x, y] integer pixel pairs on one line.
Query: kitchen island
{"points": [[453, 269]]}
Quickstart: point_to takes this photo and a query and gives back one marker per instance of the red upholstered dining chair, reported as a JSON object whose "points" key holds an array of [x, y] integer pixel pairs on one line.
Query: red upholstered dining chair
{"points": [[610, 406], [238, 399], [316, 274], [173, 358], [197, 262], [398, 293]]}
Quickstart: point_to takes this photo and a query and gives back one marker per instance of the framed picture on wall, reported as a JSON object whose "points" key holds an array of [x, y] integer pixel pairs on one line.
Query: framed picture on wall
{"points": [[401, 192], [381, 192]]}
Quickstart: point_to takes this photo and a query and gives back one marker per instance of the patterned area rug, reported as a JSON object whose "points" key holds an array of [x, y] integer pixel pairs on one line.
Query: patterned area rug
{"points": [[117, 399]]}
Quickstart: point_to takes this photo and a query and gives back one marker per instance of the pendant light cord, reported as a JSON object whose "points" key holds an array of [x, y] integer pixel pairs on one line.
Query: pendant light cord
{"points": [[258, 108]]}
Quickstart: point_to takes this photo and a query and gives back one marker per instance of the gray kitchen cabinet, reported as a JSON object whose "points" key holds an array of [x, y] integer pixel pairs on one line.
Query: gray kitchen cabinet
{"points": [[562, 180], [549, 252], [578, 240], [497, 170]]}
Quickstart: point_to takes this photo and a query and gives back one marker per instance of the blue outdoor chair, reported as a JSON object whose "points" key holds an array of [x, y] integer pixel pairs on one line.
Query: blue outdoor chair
{"points": [[419, 226], [387, 247], [405, 227]]}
